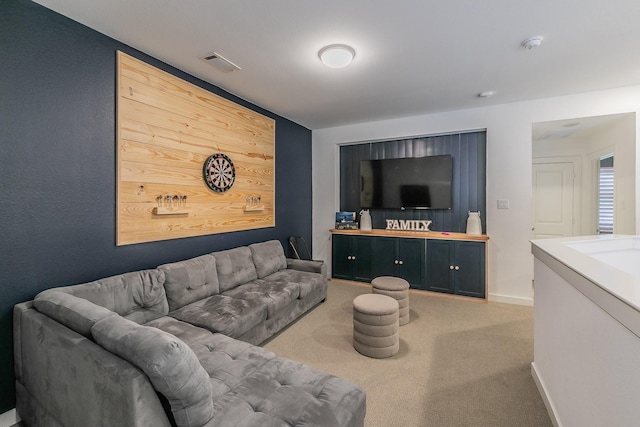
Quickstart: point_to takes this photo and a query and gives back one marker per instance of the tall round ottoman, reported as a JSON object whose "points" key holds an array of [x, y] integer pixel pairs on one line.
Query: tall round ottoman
{"points": [[376, 325], [396, 288]]}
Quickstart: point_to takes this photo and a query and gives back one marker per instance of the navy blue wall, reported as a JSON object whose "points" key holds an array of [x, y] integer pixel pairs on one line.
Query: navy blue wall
{"points": [[57, 165]]}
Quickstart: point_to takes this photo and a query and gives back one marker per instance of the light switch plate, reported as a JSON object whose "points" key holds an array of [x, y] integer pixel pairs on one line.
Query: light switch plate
{"points": [[503, 203]]}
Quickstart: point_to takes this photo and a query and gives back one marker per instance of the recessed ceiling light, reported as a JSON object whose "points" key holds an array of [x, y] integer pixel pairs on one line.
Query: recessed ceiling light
{"points": [[486, 94], [336, 55], [532, 42]]}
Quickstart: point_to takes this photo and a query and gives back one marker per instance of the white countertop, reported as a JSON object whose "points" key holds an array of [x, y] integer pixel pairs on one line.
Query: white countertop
{"points": [[609, 263]]}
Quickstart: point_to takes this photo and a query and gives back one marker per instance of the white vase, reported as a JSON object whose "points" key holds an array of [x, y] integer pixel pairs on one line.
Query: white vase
{"points": [[365, 220], [474, 226]]}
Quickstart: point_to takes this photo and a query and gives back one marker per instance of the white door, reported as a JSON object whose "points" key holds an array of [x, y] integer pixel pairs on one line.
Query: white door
{"points": [[553, 199]]}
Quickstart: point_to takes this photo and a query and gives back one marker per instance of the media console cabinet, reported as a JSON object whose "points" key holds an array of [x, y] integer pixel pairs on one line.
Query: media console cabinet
{"points": [[453, 263]]}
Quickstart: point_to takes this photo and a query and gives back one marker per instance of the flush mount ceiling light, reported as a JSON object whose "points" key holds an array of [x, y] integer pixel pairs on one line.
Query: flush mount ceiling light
{"points": [[336, 55], [532, 42]]}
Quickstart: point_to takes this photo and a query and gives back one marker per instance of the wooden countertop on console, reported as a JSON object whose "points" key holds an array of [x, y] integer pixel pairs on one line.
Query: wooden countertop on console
{"points": [[414, 234]]}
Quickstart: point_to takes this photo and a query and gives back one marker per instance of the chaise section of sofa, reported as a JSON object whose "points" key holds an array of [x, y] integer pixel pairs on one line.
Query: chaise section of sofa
{"points": [[250, 386]]}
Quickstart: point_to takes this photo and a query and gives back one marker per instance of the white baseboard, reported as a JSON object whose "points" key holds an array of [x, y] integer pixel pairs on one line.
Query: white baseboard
{"points": [[9, 418], [511, 300], [545, 397]]}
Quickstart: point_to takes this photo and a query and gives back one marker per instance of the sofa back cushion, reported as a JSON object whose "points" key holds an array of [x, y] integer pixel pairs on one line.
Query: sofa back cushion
{"points": [[172, 367], [190, 280], [75, 313], [138, 296], [235, 267], [268, 257]]}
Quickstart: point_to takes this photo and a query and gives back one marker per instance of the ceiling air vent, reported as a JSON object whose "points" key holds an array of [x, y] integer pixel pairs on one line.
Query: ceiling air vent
{"points": [[220, 62]]}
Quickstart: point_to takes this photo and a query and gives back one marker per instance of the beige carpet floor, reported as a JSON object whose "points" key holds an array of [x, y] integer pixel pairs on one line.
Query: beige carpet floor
{"points": [[461, 363]]}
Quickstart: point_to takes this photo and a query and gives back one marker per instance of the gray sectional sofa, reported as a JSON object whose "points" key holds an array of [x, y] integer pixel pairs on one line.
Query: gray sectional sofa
{"points": [[177, 346]]}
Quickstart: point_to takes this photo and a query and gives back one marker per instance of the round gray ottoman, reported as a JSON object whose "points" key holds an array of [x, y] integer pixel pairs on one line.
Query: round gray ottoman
{"points": [[376, 325], [396, 288]]}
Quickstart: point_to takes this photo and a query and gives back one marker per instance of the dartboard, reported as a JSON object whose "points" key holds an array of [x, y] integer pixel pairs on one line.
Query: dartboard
{"points": [[218, 172]]}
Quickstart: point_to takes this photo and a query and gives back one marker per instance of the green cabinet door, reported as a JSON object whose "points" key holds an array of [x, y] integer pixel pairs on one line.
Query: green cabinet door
{"points": [[362, 258], [440, 256], [341, 257], [456, 267], [385, 255], [400, 257], [351, 257], [411, 265], [470, 269]]}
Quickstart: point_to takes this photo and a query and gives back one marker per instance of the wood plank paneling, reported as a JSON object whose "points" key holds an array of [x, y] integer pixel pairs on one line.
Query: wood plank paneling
{"points": [[469, 177], [167, 128]]}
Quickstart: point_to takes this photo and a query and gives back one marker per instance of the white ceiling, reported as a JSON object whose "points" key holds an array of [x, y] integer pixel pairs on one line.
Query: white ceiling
{"points": [[412, 56], [579, 127]]}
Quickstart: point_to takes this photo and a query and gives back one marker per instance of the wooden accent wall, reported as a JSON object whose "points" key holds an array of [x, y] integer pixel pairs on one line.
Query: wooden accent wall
{"points": [[166, 129]]}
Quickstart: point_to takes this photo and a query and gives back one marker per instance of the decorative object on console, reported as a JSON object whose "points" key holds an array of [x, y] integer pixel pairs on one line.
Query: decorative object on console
{"points": [[365, 220], [218, 172], [346, 221], [474, 225], [408, 224]]}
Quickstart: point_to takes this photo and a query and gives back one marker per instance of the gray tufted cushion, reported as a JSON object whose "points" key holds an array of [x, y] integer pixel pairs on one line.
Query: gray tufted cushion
{"points": [[273, 295], [224, 314], [268, 257], [307, 281], [190, 280], [254, 388], [235, 267], [172, 367], [138, 296], [73, 312]]}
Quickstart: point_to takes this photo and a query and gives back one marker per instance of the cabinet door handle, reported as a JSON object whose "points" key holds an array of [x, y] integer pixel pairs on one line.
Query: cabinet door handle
{"points": [[401, 262], [353, 257], [457, 268], [395, 262], [349, 257], [451, 267]]}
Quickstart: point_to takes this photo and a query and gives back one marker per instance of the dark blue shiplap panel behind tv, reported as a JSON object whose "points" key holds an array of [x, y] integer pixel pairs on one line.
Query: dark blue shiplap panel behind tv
{"points": [[468, 151]]}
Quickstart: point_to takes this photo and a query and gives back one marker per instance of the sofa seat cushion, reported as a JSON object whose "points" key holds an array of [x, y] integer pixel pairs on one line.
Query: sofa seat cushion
{"points": [[254, 388], [184, 331], [170, 364], [190, 280], [235, 267], [268, 257], [274, 295], [224, 314], [308, 282], [138, 296]]}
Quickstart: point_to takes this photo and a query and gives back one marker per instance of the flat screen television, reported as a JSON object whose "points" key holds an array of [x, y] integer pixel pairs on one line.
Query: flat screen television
{"points": [[408, 183]]}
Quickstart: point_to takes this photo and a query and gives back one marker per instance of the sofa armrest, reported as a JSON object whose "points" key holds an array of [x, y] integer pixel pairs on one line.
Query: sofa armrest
{"points": [[307, 265], [75, 381]]}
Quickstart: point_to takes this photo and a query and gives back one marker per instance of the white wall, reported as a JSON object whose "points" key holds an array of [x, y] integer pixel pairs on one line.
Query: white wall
{"points": [[509, 160]]}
